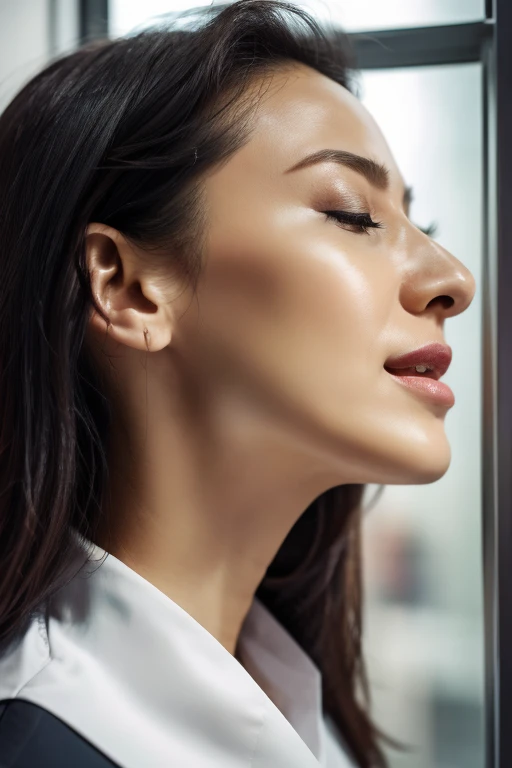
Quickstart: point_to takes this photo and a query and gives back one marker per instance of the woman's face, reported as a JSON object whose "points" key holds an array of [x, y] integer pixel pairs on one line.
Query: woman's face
{"points": [[299, 313]]}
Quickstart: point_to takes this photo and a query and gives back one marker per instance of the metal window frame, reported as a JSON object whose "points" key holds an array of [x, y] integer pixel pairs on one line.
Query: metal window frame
{"points": [[497, 412], [421, 46], [93, 19], [483, 41]]}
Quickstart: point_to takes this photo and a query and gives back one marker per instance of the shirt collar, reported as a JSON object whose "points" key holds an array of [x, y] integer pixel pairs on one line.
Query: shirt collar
{"points": [[142, 679], [285, 672]]}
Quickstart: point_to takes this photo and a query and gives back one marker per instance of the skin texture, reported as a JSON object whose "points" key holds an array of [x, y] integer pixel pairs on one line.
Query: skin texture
{"points": [[267, 387]]}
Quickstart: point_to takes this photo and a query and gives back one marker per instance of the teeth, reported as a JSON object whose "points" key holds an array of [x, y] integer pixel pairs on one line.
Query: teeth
{"points": [[421, 368]]}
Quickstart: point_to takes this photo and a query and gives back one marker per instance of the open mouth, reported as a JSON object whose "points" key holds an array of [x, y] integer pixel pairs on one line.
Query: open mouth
{"points": [[431, 361], [421, 370], [415, 370]]}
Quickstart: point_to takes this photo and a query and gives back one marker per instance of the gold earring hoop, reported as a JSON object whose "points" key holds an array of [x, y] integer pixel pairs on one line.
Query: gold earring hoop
{"points": [[146, 334]]}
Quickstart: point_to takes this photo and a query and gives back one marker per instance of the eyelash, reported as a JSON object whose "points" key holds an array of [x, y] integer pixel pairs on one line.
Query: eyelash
{"points": [[363, 222], [430, 231]]}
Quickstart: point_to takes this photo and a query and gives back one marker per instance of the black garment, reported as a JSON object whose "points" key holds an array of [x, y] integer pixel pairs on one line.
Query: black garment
{"points": [[31, 737]]}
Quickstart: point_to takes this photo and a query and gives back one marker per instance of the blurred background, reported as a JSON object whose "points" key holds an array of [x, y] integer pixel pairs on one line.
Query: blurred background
{"points": [[423, 544]]}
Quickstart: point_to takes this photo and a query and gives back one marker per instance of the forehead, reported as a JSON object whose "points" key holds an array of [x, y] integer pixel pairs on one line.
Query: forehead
{"points": [[302, 111]]}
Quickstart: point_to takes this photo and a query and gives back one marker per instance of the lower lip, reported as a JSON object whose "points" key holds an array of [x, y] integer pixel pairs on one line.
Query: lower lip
{"points": [[436, 391]]}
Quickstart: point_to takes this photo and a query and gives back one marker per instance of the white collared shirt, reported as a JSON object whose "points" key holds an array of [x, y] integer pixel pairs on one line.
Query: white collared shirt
{"points": [[132, 672]]}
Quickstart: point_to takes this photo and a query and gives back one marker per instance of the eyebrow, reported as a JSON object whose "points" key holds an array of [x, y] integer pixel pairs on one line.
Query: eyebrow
{"points": [[376, 173]]}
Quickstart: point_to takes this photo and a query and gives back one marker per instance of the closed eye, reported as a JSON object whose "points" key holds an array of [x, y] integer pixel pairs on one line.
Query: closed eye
{"points": [[354, 222], [361, 222], [430, 231]]}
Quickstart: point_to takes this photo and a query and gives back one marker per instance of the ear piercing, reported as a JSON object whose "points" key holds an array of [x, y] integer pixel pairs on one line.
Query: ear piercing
{"points": [[146, 334]]}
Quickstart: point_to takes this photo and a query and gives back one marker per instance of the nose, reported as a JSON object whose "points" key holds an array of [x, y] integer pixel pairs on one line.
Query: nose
{"points": [[435, 281]]}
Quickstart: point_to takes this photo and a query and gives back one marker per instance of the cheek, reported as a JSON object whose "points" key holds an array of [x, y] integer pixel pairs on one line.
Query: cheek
{"points": [[294, 311]]}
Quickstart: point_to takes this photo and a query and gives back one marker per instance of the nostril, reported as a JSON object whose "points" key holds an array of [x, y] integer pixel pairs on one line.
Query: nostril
{"points": [[446, 302]]}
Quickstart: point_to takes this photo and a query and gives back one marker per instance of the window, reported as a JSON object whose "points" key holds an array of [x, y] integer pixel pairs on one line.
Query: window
{"points": [[124, 15], [424, 623]]}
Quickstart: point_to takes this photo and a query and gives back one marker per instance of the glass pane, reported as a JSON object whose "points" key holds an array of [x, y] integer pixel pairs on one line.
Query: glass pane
{"points": [[393, 14], [353, 16], [424, 623]]}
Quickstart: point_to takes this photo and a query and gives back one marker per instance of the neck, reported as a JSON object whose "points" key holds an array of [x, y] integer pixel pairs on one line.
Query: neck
{"points": [[200, 511]]}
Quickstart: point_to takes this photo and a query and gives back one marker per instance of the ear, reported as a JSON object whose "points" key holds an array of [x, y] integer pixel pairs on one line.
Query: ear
{"points": [[127, 291]]}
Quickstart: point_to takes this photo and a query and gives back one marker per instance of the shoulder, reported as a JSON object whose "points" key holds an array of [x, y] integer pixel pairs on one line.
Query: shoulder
{"points": [[32, 737]]}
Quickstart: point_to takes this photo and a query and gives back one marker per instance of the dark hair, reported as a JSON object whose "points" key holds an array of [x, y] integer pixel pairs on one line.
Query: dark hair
{"points": [[120, 132]]}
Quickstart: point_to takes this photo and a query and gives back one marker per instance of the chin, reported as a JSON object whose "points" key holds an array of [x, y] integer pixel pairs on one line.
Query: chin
{"points": [[426, 463], [423, 458], [413, 452]]}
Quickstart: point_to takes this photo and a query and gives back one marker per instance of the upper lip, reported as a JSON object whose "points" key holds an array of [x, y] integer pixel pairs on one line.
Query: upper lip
{"points": [[437, 357]]}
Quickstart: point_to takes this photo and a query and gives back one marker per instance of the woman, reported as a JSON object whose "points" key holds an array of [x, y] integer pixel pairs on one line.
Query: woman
{"points": [[218, 323]]}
